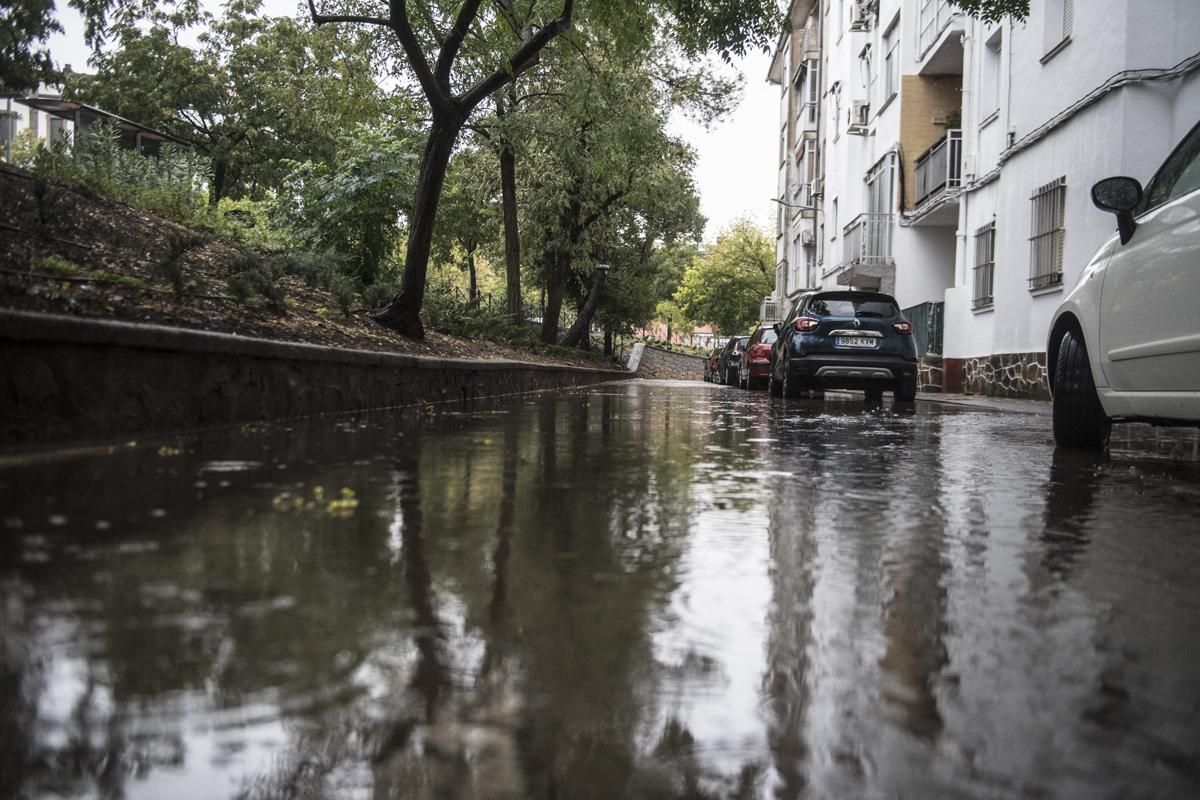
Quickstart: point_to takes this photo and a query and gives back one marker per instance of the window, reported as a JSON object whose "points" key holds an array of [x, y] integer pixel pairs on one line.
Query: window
{"points": [[1046, 244], [1059, 19], [835, 108], [845, 305], [989, 79], [891, 61], [57, 130], [812, 93], [1179, 174], [985, 263], [880, 178], [810, 266]]}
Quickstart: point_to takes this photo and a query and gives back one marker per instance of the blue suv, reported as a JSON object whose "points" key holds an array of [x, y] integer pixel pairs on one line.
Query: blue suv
{"points": [[845, 340]]}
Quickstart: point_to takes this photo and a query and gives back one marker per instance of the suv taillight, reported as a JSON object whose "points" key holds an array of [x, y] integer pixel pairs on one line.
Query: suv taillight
{"points": [[903, 327], [804, 324]]}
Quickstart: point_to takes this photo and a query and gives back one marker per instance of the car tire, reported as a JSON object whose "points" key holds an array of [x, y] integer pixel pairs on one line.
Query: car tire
{"points": [[1079, 419], [873, 396], [906, 390], [731, 378], [774, 387]]}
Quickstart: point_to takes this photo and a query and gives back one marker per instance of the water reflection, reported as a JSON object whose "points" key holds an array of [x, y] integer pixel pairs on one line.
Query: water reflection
{"points": [[642, 591]]}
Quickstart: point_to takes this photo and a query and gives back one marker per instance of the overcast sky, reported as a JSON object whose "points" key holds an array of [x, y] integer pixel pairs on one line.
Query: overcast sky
{"points": [[735, 170]]}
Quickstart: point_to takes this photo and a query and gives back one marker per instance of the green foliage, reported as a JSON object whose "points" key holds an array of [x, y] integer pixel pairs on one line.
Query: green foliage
{"points": [[170, 267], [251, 275], [171, 183], [55, 265], [352, 206], [725, 285], [994, 10], [250, 223], [252, 92], [24, 28]]}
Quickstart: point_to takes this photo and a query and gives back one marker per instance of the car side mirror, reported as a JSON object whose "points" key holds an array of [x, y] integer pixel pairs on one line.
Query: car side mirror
{"points": [[1120, 196], [778, 326]]}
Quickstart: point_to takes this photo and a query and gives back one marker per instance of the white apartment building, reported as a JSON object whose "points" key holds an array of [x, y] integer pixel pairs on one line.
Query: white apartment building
{"points": [[955, 158]]}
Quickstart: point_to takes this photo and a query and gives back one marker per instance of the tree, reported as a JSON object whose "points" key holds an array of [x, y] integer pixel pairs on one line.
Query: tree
{"points": [[497, 44], [352, 205], [725, 285], [24, 29], [994, 10], [469, 217], [254, 92]]}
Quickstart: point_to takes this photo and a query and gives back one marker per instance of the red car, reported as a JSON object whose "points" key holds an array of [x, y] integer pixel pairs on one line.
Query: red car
{"points": [[754, 369]]}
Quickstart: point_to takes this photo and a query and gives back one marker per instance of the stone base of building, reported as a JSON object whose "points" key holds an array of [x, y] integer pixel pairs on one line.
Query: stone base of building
{"points": [[930, 374], [1017, 375]]}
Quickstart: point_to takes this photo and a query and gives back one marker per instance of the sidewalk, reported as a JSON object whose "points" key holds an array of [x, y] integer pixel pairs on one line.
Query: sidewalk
{"points": [[1040, 407]]}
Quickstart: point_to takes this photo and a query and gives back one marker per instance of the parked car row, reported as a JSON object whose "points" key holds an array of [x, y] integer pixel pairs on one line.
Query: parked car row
{"points": [[830, 340], [722, 365]]}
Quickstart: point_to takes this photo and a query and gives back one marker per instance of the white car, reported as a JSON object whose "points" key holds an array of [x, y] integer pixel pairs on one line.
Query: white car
{"points": [[1125, 343]]}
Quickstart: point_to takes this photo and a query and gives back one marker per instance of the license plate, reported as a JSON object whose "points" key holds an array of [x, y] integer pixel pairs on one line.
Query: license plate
{"points": [[854, 341]]}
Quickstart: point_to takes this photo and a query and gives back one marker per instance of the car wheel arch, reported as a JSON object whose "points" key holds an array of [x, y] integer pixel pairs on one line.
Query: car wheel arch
{"points": [[1066, 322]]}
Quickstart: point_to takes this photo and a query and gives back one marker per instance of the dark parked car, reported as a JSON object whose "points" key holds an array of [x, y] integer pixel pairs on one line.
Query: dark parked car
{"points": [[727, 363], [710, 364], [845, 340], [755, 363]]}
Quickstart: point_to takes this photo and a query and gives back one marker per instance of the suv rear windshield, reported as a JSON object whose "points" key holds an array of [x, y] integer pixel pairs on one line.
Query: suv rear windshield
{"points": [[853, 307], [768, 336]]}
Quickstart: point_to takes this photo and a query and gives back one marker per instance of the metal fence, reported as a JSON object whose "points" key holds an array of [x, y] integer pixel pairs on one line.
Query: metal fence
{"points": [[927, 324]]}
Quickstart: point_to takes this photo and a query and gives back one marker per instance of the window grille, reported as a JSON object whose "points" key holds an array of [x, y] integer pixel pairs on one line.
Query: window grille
{"points": [[985, 265], [1046, 243]]}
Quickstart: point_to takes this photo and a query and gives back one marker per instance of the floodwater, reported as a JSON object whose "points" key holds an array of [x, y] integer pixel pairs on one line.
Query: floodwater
{"points": [[640, 590]]}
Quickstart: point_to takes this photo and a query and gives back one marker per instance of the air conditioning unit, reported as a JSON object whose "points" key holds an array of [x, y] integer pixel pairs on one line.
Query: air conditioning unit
{"points": [[860, 114], [807, 238], [860, 16]]}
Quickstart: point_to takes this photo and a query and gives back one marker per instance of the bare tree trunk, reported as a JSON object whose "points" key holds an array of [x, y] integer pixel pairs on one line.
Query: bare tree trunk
{"points": [[472, 280], [512, 238], [583, 323], [556, 289], [403, 313]]}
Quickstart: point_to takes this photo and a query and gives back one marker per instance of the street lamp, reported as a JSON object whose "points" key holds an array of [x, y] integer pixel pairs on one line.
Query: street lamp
{"points": [[786, 204]]}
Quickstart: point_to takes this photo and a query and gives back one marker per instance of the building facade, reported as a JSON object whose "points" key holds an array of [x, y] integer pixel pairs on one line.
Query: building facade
{"points": [[954, 160]]}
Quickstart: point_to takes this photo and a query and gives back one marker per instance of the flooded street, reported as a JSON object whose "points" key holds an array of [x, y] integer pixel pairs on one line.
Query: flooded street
{"points": [[641, 590]]}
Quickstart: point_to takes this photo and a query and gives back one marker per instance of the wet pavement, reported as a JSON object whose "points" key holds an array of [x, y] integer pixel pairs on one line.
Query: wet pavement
{"points": [[640, 590]]}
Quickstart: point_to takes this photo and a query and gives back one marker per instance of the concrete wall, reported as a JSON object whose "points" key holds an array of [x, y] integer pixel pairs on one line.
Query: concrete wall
{"points": [[64, 379], [667, 364]]}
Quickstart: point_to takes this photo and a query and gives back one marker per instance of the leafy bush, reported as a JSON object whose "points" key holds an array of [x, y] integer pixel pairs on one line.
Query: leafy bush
{"points": [[354, 205], [171, 183]]}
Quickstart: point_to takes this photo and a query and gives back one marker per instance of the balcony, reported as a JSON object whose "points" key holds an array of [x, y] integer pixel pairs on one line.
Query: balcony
{"points": [[867, 243], [869, 239], [940, 52], [939, 168]]}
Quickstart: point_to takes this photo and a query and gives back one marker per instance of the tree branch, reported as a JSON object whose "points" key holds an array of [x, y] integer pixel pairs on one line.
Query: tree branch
{"points": [[522, 59], [453, 41], [439, 100], [321, 19], [599, 212]]}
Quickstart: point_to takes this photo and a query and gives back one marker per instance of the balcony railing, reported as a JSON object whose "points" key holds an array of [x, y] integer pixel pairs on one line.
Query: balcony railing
{"points": [[933, 17], [769, 310], [868, 239], [940, 167]]}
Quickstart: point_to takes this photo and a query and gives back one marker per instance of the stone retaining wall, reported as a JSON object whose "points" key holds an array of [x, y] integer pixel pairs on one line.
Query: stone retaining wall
{"points": [[66, 378], [667, 364], [930, 374]]}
